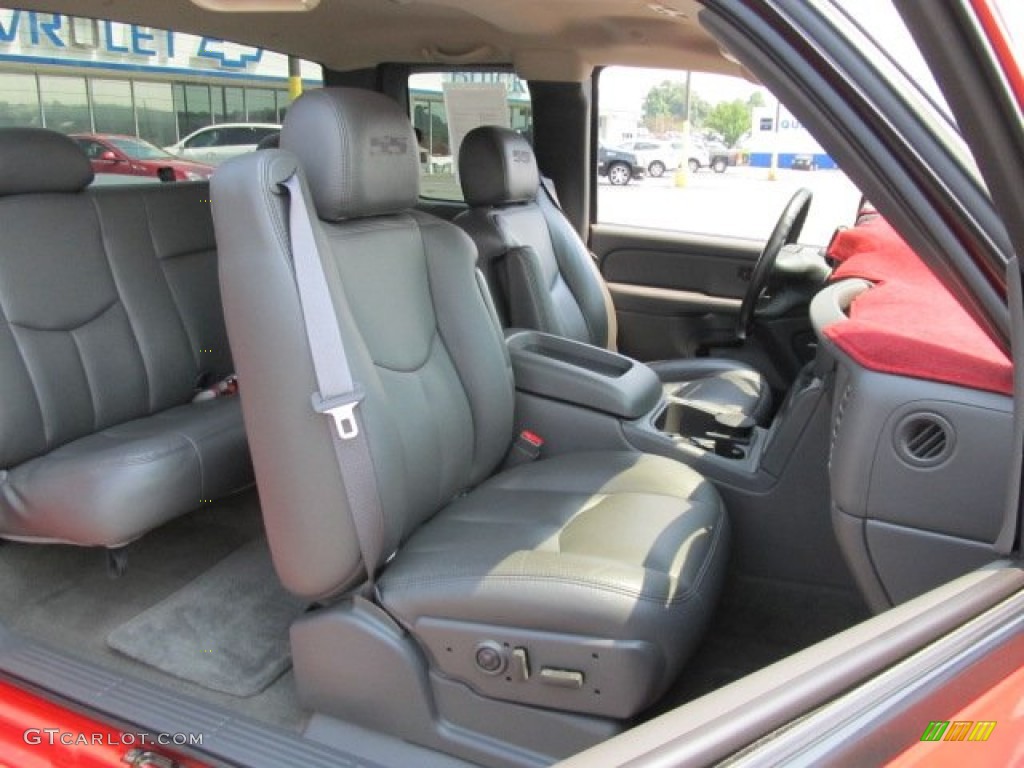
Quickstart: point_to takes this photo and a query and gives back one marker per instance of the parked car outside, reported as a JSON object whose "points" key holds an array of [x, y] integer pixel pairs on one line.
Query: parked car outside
{"points": [[131, 156], [804, 163], [659, 156], [619, 165], [216, 143], [655, 155]]}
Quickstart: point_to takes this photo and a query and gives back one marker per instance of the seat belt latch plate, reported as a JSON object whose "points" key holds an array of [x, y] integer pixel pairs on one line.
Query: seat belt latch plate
{"points": [[342, 411]]}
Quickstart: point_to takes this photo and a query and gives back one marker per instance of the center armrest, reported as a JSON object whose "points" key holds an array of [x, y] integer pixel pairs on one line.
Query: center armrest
{"points": [[582, 374]]}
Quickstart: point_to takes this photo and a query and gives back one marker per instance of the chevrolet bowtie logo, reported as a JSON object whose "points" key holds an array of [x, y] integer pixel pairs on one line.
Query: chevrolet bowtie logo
{"points": [[230, 55], [389, 145]]}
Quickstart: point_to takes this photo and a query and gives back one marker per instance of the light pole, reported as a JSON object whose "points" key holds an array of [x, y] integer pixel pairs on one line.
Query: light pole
{"points": [[772, 170], [680, 174]]}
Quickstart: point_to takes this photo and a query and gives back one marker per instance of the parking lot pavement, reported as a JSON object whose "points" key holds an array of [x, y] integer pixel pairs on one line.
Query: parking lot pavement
{"points": [[742, 202]]}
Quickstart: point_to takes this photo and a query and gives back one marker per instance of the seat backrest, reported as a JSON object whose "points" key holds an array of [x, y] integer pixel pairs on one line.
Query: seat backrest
{"points": [[420, 335], [540, 271], [103, 317]]}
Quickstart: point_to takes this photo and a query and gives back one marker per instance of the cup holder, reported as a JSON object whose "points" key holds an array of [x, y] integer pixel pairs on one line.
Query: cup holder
{"points": [[726, 434]]}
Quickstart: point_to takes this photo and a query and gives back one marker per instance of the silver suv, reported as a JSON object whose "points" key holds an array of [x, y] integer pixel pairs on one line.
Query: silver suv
{"points": [[216, 143]]}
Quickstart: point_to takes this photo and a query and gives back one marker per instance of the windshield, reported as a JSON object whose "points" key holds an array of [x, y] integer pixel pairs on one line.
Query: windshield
{"points": [[900, 62], [137, 149]]}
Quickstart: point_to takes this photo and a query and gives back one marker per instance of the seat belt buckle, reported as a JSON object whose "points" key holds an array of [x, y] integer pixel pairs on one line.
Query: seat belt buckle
{"points": [[342, 410], [526, 447]]}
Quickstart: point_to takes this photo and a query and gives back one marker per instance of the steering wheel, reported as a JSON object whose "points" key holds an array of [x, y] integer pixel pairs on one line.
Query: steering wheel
{"points": [[787, 230]]}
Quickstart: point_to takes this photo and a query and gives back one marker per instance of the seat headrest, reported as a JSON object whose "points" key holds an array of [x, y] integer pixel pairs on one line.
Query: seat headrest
{"points": [[35, 160], [496, 166], [357, 149]]}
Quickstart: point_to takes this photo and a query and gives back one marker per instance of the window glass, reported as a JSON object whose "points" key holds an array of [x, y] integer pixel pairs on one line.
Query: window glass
{"points": [[194, 111], [234, 105], [138, 149], [444, 106], [154, 110], [112, 106], [82, 75], [65, 104], [210, 138], [261, 104], [19, 100], [258, 134], [709, 154], [235, 137], [217, 103], [93, 149], [283, 100]]}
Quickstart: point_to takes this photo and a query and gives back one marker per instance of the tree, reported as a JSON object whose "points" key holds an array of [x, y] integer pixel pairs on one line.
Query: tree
{"points": [[756, 99], [699, 109], [730, 120], [665, 107]]}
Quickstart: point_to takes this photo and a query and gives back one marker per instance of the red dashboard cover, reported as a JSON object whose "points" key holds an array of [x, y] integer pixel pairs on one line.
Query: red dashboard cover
{"points": [[909, 323]]}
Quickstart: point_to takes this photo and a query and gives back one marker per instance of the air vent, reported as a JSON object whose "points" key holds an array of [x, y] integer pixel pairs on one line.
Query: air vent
{"points": [[924, 439]]}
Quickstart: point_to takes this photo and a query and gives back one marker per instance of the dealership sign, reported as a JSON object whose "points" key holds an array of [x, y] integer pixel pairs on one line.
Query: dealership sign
{"points": [[54, 38]]}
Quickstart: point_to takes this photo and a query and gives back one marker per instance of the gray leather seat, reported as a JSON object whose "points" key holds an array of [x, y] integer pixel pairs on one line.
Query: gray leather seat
{"points": [[618, 548], [544, 278], [109, 314]]}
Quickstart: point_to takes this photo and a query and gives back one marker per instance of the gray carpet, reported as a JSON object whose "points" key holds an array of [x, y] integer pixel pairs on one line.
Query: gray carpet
{"points": [[227, 630]]}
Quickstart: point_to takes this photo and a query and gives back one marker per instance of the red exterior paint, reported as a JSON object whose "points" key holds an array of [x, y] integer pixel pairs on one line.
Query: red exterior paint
{"points": [[1002, 46], [26, 718], [1003, 703]]}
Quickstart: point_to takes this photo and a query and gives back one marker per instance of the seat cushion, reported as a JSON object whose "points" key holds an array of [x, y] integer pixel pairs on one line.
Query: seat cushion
{"points": [[156, 468], [605, 545], [717, 385]]}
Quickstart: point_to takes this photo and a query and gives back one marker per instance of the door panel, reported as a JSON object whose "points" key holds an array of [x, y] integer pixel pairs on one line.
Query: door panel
{"points": [[676, 295]]}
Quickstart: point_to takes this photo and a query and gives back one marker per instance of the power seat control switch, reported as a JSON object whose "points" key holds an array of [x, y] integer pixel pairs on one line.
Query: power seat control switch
{"points": [[490, 658], [521, 664], [561, 678]]}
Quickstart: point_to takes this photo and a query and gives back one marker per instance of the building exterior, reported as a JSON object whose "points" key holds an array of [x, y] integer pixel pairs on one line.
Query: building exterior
{"points": [[430, 115], [788, 138], [88, 75]]}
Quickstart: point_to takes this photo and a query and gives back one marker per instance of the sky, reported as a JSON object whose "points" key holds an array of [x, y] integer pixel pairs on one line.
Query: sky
{"points": [[624, 88]]}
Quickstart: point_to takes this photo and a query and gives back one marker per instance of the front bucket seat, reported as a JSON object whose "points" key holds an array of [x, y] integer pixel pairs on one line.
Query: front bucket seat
{"points": [[544, 278], [606, 565]]}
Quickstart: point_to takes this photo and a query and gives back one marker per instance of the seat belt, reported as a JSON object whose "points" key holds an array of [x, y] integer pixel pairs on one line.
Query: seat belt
{"points": [[338, 395], [548, 186]]}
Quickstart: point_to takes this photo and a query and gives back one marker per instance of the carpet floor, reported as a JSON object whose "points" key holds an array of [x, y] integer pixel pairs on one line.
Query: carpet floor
{"points": [[62, 596], [227, 630]]}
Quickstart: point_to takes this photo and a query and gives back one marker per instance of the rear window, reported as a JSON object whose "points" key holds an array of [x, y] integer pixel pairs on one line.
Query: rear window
{"points": [[445, 106], [80, 75]]}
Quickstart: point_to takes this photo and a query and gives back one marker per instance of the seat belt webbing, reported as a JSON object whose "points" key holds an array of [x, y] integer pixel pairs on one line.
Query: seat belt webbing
{"points": [[338, 394]]}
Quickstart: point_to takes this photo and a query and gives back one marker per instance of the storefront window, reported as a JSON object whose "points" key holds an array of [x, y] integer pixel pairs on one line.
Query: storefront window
{"points": [[262, 105], [65, 104], [194, 113], [154, 107], [283, 100], [234, 105], [19, 100], [86, 75], [112, 106]]}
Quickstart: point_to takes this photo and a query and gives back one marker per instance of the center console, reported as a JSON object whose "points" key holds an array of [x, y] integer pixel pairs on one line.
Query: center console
{"points": [[773, 479], [577, 396]]}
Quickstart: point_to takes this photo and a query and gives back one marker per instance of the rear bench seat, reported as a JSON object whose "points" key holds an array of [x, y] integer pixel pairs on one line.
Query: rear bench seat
{"points": [[110, 317]]}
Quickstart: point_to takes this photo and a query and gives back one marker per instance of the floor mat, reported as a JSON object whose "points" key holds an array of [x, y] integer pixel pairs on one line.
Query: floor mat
{"points": [[226, 631]]}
